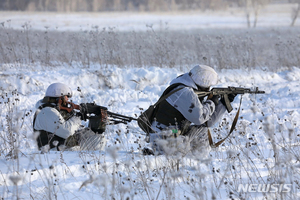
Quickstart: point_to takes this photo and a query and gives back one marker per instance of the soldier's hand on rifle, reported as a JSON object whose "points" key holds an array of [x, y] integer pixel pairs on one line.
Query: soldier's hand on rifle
{"points": [[230, 98], [83, 111], [215, 99]]}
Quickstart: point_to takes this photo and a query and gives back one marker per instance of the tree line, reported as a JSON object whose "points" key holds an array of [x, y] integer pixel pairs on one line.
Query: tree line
{"points": [[251, 8], [121, 5]]}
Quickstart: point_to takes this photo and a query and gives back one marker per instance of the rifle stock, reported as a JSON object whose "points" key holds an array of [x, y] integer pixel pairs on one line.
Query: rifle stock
{"points": [[224, 92]]}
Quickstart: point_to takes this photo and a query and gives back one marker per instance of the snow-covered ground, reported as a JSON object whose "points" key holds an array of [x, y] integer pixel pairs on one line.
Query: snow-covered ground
{"points": [[262, 151], [121, 171]]}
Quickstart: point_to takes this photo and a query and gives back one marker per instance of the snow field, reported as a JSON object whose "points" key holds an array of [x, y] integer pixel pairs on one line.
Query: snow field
{"points": [[268, 123]]}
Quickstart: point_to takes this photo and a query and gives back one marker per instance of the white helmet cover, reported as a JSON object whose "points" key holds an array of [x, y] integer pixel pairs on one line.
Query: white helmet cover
{"points": [[204, 76], [58, 90]]}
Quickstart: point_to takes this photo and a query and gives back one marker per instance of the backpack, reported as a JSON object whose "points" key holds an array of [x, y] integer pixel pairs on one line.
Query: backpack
{"points": [[146, 118]]}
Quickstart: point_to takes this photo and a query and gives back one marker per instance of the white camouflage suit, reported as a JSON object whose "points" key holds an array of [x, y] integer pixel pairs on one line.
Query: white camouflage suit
{"points": [[50, 119], [198, 113]]}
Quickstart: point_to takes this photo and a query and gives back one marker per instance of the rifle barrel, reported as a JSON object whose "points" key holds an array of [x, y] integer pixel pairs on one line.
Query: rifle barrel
{"points": [[223, 91], [122, 117]]}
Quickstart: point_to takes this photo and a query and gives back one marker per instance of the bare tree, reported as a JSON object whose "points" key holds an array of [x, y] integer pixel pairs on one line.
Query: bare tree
{"points": [[295, 13], [82, 5], [8, 4], [257, 5], [95, 5], [39, 5], [117, 5], [59, 6], [171, 5], [253, 6], [247, 10]]}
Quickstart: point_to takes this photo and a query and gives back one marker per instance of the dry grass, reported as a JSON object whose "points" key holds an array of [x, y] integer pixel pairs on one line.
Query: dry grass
{"points": [[272, 49]]}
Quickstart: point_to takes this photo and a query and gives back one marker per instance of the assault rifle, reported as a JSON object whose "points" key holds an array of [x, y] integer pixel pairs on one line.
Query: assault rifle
{"points": [[98, 116], [223, 93], [96, 110]]}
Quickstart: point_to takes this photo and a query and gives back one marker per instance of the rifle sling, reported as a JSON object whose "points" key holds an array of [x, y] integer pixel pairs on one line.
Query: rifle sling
{"points": [[215, 145]]}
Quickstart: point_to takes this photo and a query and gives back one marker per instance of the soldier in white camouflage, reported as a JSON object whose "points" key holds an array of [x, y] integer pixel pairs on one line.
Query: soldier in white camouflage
{"points": [[183, 118], [57, 126]]}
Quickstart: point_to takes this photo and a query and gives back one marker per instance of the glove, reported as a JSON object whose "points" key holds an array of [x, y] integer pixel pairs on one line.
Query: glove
{"points": [[230, 98], [215, 99], [83, 111]]}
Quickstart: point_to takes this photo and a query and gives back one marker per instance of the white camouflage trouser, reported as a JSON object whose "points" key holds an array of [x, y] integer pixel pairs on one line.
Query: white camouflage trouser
{"points": [[93, 143], [88, 140], [194, 141]]}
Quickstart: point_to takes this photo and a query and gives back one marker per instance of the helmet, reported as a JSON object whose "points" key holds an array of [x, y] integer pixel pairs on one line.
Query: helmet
{"points": [[204, 76], [58, 90]]}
